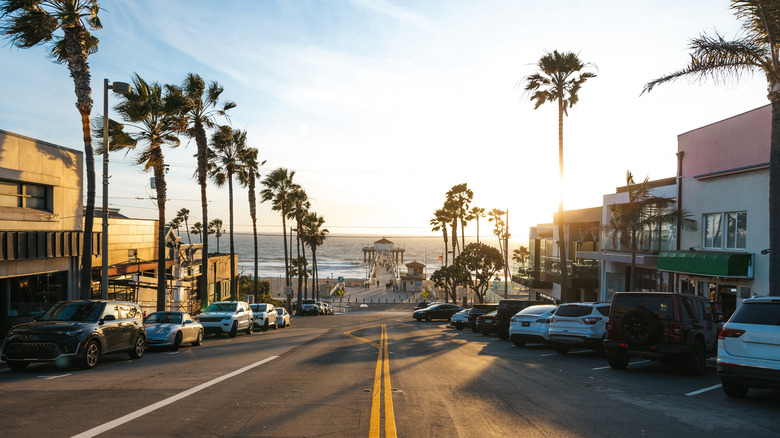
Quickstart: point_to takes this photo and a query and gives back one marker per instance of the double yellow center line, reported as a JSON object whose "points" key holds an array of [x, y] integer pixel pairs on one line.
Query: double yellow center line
{"points": [[381, 385]]}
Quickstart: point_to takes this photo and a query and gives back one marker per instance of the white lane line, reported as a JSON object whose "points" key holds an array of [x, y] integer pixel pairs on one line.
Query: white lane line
{"points": [[640, 361], [54, 377], [703, 390], [153, 407], [550, 354], [173, 352]]}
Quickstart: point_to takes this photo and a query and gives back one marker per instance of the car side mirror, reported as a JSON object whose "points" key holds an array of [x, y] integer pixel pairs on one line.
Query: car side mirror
{"points": [[189, 321]]}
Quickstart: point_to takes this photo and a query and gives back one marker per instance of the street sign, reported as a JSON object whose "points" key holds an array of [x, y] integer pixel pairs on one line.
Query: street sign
{"points": [[341, 279], [425, 294], [341, 293]]}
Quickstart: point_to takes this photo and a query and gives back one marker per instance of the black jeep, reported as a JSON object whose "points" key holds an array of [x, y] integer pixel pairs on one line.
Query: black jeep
{"points": [[664, 326]]}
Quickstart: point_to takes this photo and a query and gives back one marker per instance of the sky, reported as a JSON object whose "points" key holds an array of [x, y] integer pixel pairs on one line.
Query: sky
{"points": [[381, 106]]}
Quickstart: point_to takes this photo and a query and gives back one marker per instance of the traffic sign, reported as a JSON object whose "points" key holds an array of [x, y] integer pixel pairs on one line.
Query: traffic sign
{"points": [[341, 279], [425, 294]]}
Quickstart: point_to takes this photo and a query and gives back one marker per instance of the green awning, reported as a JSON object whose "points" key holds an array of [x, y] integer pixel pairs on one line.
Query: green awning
{"points": [[716, 264]]}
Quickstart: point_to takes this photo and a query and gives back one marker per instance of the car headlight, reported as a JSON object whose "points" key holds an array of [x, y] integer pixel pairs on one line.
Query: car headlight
{"points": [[226, 318], [164, 330], [71, 332]]}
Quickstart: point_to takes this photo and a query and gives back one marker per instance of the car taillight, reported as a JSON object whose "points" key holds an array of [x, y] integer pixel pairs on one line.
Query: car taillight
{"points": [[590, 320], [609, 325], [730, 333], [543, 320], [677, 332]]}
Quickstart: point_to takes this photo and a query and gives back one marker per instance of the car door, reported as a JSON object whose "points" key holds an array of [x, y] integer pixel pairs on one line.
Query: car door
{"points": [[189, 331], [109, 326]]}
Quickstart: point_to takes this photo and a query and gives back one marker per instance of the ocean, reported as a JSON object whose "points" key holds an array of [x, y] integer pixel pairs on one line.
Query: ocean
{"points": [[339, 256]]}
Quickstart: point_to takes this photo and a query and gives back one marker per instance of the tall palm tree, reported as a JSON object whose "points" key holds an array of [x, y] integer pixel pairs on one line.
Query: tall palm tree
{"points": [[299, 202], [278, 188], [314, 237], [475, 213], [559, 80], [203, 103], [215, 228], [757, 50], [197, 229], [459, 197], [227, 147], [248, 172], [154, 118], [440, 221], [451, 210], [182, 216], [643, 213], [28, 23], [520, 255]]}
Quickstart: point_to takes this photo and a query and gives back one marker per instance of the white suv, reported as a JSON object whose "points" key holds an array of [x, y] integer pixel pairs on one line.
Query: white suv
{"points": [[579, 325], [749, 347], [265, 315], [227, 317]]}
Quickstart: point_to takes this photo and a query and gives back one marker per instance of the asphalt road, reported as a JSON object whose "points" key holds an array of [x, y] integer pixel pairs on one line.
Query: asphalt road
{"points": [[374, 374]]}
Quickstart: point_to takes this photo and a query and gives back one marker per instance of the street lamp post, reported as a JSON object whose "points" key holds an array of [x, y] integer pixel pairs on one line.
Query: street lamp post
{"points": [[121, 88]]}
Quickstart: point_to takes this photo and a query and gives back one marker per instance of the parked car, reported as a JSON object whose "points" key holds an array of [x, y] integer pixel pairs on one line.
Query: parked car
{"points": [[479, 309], [460, 319], [171, 329], [486, 324], [324, 308], [227, 317], [77, 331], [749, 347], [283, 317], [664, 326], [309, 307], [436, 311], [506, 310], [264, 315], [579, 325], [531, 324]]}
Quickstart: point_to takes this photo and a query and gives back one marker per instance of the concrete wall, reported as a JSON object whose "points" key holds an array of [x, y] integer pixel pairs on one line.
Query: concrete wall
{"points": [[125, 234]]}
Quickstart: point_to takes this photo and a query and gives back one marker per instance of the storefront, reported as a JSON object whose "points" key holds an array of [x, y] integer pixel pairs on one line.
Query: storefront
{"points": [[28, 296]]}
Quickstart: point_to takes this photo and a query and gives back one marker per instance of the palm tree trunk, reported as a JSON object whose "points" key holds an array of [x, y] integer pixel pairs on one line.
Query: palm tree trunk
{"points": [[202, 142], [253, 214], [159, 181], [561, 234], [298, 254], [286, 259], [85, 281], [315, 272], [233, 292], [774, 197]]}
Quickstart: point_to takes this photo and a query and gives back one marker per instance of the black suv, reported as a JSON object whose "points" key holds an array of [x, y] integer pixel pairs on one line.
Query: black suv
{"points": [[506, 310], [479, 309], [668, 327], [79, 331]]}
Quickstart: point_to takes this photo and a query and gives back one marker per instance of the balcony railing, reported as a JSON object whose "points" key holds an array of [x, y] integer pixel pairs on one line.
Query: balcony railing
{"points": [[583, 273]]}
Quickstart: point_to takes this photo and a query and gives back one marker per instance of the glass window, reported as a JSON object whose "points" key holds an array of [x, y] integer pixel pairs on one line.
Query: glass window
{"points": [[736, 229], [9, 194], [757, 313], [712, 231], [16, 194]]}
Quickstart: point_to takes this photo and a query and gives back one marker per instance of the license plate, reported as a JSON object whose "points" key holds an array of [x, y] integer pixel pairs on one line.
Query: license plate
{"points": [[526, 323]]}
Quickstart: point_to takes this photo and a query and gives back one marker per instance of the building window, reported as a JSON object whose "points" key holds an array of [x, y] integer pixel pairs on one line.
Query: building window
{"points": [[735, 232], [25, 195]]}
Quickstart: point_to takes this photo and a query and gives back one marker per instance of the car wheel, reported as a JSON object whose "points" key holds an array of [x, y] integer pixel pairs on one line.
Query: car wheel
{"points": [[17, 365], [250, 328], [562, 349], [139, 346], [459, 326], [265, 326], [693, 364], [428, 317], [640, 327], [518, 342], [176, 342], [276, 324], [91, 355], [736, 390], [199, 340], [618, 360], [418, 318], [233, 330]]}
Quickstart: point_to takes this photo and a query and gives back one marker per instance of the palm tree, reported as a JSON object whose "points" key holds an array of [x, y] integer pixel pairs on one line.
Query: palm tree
{"points": [[278, 187], [299, 206], [227, 147], [248, 172], [451, 211], [154, 116], [758, 50], [440, 222], [202, 114], [197, 229], [182, 216], [559, 80], [215, 228], [32, 22], [475, 213], [314, 237], [459, 197], [643, 213], [520, 255], [175, 223]]}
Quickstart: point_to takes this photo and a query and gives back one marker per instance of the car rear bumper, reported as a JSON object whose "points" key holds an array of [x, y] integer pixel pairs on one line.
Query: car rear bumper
{"points": [[526, 337], [575, 340], [655, 351], [756, 377]]}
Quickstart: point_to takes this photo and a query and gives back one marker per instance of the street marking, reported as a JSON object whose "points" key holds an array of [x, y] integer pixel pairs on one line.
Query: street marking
{"points": [[162, 403], [704, 390], [55, 377], [550, 354], [381, 375]]}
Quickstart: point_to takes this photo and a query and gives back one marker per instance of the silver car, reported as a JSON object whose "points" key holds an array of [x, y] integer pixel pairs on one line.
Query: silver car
{"points": [[264, 315], [283, 317], [171, 329]]}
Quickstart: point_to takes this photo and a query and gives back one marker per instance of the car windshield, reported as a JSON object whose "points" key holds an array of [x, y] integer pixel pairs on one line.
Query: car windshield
{"points": [[258, 307], [74, 311], [536, 310], [221, 307], [163, 318], [307, 302], [757, 313]]}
